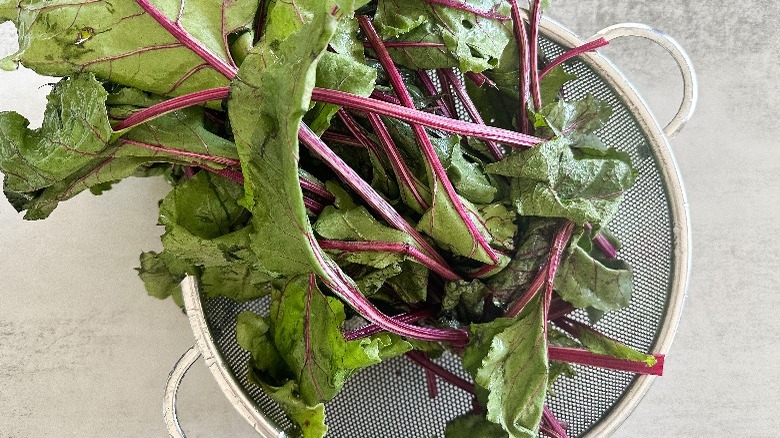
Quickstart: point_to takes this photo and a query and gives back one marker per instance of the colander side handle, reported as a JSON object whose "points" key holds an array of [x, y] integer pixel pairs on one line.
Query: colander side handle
{"points": [[172, 388], [690, 83]]}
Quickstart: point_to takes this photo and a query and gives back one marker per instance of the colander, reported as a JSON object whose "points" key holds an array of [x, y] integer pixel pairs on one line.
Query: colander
{"points": [[391, 400]]}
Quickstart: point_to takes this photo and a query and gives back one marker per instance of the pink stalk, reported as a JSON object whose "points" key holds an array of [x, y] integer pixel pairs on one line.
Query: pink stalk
{"points": [[314, 206], [495, 150], [446, 95], [341, 138], [175, 28], [374, 199], [533, 53], [603, 244], [464, 7], [233, 175], [316, 187], [585, 357], [479, 79], [216, 159], [373, 329], [482, 132], [556, 251], [384, 97], [439, 174], [405, 44], [446, 375], [391, 247], [400, 168], [430, 89], [551, 425], [524, 65], [354, 129], [587, 47], [430, 382], [558, 309], [170, 105]]}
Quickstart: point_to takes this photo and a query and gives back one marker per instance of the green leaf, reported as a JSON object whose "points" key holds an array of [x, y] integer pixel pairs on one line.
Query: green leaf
{"points": [[513, 371], [119, 43], [551, 84], [580, 116], [266, 364], [75, 130], [311, 419], [306, 329], [500, 224], [553, 180], [469, 295], [339, 72], [268, 100], [162, 275], [473, 426], [512, 281], [471, 42], [587, 281]]}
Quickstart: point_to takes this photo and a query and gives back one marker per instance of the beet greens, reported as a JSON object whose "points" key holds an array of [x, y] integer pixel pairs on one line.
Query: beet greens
{"points": [[443, 179]]}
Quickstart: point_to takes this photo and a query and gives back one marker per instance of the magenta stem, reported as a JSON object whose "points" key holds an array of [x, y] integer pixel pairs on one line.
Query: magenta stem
{"points": [[471, 109], [439, 174], [533, 53], [313, 205], [391, 247], [374, 199], [603, 244], [385, 97], [316, 187], [396, 160], [464, 7], [585, 357], [373, 329], [405, 44], [337, 137], [446, 375], [430, 382], [551, 425], [184, 37], [430, 89], [170, 105], [479, 79], [354, 129], [216, 159], [482, 132], [446, 95], [524, 65], [556, 251], [579, 50]]}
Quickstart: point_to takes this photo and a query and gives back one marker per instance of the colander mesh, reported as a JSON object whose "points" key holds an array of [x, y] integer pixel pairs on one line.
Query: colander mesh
{"points": [[391, 400]]}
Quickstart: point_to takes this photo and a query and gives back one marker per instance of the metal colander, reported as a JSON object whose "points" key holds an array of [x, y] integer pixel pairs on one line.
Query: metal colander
{"points": [[652, 224]]}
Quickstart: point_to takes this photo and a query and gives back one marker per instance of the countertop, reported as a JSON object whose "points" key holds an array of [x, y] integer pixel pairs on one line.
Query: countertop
{"points": [[85, 353]]}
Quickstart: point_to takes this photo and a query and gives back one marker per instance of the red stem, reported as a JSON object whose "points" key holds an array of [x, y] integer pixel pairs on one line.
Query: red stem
{"points": [[603, 244], [396, 160], [495, 150], [337, 137], [188, 40], [479, 79], [482, 132], [431, 90], [439, 174], [556, 251], [524, 65], [440, 371], [446, 95], [374, 199], [430, 381], [216, 159], [551, 426], [385, 97], [391, 247], [176, 103], [533, 53], [587, 47], [464, 7], [316, 187], [585, 357], [373, 329]]}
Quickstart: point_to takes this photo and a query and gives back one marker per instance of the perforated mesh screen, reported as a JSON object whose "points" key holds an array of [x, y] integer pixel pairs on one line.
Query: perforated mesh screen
{"points": [[391, 400]]}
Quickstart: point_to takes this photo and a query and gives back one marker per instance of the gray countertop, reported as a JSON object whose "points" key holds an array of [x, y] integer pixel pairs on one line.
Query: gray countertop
{"points": [[84, 352]]}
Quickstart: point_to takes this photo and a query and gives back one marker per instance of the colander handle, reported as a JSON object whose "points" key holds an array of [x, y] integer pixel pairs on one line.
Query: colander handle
{"points": [[172, 388], [690, 83]]}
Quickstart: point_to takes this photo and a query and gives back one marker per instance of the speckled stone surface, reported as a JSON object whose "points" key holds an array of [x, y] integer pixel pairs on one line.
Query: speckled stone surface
{"points": [[85, 353]]}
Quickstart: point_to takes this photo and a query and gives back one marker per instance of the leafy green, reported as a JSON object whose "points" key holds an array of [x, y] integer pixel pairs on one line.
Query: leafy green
{"points": [[585, 280], [513, 369], [471, 426], [553, 180]]}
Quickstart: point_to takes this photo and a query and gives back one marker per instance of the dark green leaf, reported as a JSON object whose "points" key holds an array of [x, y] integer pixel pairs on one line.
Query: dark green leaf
{"points": [[473, 426]]}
